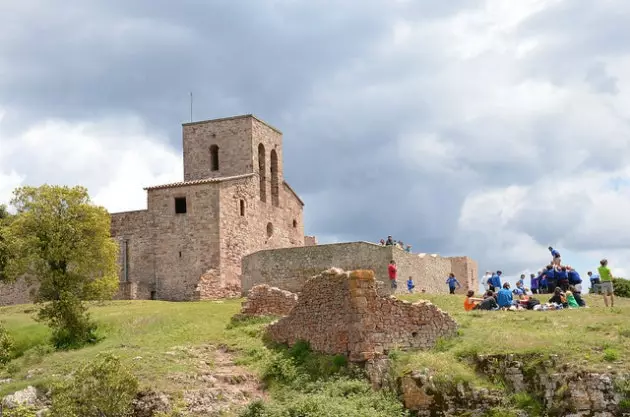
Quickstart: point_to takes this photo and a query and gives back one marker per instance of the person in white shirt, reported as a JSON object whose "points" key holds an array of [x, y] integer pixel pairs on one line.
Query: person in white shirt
{"points": [[485, 280]]}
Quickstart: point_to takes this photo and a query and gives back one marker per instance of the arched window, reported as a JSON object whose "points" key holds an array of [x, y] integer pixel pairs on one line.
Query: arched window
{"points": [[242, 207], [275, 186], [262, 174], [269, 229], [294, 223], [214, 158]]}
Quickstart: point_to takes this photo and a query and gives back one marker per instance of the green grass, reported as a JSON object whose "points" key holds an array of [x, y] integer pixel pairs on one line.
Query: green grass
{"points": [[590, 338], [152, 335]]}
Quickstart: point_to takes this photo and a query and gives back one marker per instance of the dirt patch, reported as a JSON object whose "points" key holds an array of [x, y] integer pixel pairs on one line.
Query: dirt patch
{"points": [[220, 386]]}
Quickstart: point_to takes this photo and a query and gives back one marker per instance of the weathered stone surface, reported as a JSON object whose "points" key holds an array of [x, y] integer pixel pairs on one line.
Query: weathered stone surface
{"points": [[340, 312], [264, 300], [290, 268], [27, 397]]}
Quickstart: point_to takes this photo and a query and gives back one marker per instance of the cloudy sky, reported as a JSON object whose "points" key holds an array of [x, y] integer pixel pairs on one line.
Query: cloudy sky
{"points": [[490, 128]]}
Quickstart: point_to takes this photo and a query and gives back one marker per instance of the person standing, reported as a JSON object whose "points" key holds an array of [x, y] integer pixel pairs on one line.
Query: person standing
{"points": [[533, 283], [555, 255], [606, 282], [410, 285], [595, 281], [392, 270], [452, 283]]}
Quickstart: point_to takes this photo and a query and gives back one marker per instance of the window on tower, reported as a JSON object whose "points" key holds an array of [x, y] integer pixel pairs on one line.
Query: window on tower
{"points": [[214, 158]]}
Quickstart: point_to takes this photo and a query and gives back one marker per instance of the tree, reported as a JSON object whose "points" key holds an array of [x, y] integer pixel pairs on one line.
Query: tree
{"points": [[62, 240], [5, 218]]}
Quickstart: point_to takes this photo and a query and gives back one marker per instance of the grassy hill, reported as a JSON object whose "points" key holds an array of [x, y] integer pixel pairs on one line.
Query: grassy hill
{"points": [[170, 346]]}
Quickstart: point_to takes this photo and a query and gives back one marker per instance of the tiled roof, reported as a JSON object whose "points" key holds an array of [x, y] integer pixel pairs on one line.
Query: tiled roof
{"points": [[196, 182]]}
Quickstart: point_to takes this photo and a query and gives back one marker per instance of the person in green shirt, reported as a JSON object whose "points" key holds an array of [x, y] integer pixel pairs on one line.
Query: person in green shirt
{"points": [[606, 284]]}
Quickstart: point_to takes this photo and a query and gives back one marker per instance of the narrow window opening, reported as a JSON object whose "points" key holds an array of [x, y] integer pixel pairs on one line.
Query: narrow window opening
{"points": [[214, 158], [153, 295], [180, 254], [125, 248], [269, 229], [242, 207], [180, 205], [275, 182], [262, 174], [294, 223]]}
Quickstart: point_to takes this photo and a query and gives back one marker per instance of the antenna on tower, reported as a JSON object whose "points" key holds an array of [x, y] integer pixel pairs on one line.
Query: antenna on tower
{"points": [[191, 103]]}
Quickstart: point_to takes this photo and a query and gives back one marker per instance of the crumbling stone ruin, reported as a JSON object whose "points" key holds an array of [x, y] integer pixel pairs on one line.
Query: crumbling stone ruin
{"points": [[264, 300], [340, 312]]}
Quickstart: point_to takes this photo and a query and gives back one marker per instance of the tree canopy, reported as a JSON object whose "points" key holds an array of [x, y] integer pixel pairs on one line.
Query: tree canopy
{"points": [[62, 240]]}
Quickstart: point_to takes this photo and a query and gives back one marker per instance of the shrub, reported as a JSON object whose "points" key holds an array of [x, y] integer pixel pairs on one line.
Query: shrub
{"points": [[70, 322], [104, 388], [622, 287], [20, 411], [6, 346]]}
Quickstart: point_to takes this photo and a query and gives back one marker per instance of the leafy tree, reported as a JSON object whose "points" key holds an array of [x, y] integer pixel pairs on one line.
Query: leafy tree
{"points": [[5, 218], [62, 240]]}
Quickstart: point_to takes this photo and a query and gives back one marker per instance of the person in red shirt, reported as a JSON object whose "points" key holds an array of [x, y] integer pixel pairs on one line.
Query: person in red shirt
{"points": [[392, 270]]}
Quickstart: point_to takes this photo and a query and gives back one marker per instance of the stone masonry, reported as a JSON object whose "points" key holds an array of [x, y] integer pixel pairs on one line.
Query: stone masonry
{"points": [[189, 242], [290, 268], [341, 313], [264, 300]]}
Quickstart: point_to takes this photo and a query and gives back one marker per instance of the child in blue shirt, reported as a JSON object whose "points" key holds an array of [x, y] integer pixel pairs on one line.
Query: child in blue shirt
{"points": [[504, 297], [410, 285], [452, 282]]}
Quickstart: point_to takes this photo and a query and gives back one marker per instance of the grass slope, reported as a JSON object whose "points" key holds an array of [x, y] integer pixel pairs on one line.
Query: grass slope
{"points": [[147, 334]]}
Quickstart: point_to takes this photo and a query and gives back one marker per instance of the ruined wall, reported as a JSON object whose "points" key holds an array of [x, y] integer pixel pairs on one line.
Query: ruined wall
{"points": [[18, 292], [186, 245], [264, 300], [233, 137], [290, 268], [310, 241], [466, 271], [341, 313]]}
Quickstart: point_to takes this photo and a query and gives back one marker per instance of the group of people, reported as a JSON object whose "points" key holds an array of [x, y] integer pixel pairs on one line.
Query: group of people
{"points": [[562, 281], [399, 244]]}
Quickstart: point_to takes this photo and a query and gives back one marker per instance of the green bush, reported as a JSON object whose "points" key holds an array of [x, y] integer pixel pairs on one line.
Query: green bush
{"points": [[103, 388], [622, 287], [6, 346], [71, 325], [20, 411]]}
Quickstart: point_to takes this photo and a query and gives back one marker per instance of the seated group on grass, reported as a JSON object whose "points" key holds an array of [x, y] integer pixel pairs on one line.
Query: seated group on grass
{"points": [[562, 281]]}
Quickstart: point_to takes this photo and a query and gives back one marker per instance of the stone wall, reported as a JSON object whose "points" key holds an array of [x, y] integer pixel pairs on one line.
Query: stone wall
{"points": [[132, 291], [18, 292], [264, 300], [310, 241], [466, 270], [290, 268], [341, 313]]}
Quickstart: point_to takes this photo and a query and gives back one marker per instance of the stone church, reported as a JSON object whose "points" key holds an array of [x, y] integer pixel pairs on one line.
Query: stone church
{"points": [[189, 242]]}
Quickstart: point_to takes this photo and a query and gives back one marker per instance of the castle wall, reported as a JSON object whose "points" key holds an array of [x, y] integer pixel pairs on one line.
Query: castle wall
{"points": [[185, 245], [233, 137], [136, 227], [466, 271], [242, 235], [289, 268], [18, 292]]}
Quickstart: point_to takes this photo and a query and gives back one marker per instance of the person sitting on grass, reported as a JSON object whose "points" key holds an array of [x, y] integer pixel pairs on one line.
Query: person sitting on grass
{"points": [[504, 296], [452, 282], [470, 302], [606, 284], [558, 298], [578, 296], [571, 301], [489, 302]]}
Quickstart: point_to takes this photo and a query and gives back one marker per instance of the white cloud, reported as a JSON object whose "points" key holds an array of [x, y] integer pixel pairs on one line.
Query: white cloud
{"points": [[114, 158]]}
